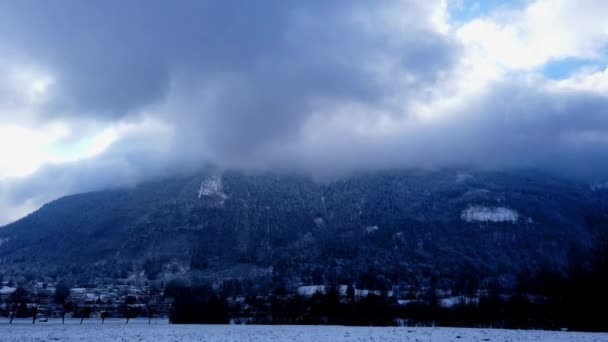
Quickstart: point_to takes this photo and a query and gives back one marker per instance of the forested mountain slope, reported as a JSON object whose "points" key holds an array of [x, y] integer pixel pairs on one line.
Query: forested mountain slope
{"points": [[384, 228]]}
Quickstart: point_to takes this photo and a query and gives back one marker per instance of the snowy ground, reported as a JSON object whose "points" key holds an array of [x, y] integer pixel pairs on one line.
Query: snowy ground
{"points": [[139, 330]]}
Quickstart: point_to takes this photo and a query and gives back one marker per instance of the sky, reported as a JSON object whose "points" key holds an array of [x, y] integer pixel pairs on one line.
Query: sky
{"points": [[111, 93]]}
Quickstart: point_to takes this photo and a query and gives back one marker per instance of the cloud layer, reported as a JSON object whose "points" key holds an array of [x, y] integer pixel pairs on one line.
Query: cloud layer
{"points": [[119, 92]]}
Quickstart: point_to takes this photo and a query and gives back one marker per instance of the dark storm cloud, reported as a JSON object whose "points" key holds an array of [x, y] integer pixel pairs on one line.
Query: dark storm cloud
{"points": [[112, 57], [511, 126], [241, 74], [232, 77], [234, 114]]}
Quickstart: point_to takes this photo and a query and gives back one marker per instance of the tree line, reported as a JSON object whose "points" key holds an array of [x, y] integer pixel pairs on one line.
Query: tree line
{"points": [[548, 299], [21, 304]]}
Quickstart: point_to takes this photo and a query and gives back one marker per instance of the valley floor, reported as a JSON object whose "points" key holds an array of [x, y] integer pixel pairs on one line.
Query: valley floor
{"points": [[139, 330]]}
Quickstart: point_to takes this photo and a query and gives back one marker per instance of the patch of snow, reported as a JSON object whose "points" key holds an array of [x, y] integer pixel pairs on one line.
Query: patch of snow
{"points": [[453, 301], [139, 330], [489, 214], [371, 229], [450, 302], [323, 202], [91, 297], [212, 186], [6, 290], [310, 290], [365, 292], [599, 186]]}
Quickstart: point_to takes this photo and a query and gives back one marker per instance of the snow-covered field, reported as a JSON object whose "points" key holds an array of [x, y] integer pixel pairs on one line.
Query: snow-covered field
{"points": [[140, 331]]}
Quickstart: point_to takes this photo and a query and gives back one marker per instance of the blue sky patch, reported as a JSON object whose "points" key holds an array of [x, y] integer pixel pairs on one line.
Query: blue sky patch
{"points": [[462, 11], [564, 68]]}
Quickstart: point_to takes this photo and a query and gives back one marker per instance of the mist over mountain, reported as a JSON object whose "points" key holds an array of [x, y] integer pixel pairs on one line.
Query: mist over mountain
{"points": [[318, 87]]}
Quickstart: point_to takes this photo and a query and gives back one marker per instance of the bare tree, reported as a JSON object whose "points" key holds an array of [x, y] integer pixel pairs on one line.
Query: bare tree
{"points": [[18, 298], [65, 307], [14, 307], [34, 314], [85, 312], [104, 313], [151, 311]]}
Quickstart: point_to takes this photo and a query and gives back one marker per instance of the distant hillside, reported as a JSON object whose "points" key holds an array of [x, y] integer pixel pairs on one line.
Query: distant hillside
{"points": [[386, 228]]}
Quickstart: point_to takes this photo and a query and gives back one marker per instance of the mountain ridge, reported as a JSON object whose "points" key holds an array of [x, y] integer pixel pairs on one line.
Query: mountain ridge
{"points": [[404, 226]]}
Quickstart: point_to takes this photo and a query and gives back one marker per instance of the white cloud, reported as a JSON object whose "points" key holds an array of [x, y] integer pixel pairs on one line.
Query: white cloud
{"points": [[25, 85], [593, 81], [25, 149], [101, 140], [543, 31], [31, 136]]}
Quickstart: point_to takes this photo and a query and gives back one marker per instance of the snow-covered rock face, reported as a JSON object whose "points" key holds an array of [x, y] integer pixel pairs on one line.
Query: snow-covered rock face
{"points": [[489, 214], [212, 192], [212, 186], [599, 186]]}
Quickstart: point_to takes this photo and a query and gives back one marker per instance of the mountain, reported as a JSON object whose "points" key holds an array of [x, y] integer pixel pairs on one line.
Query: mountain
{"points": [[398, 227]]}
